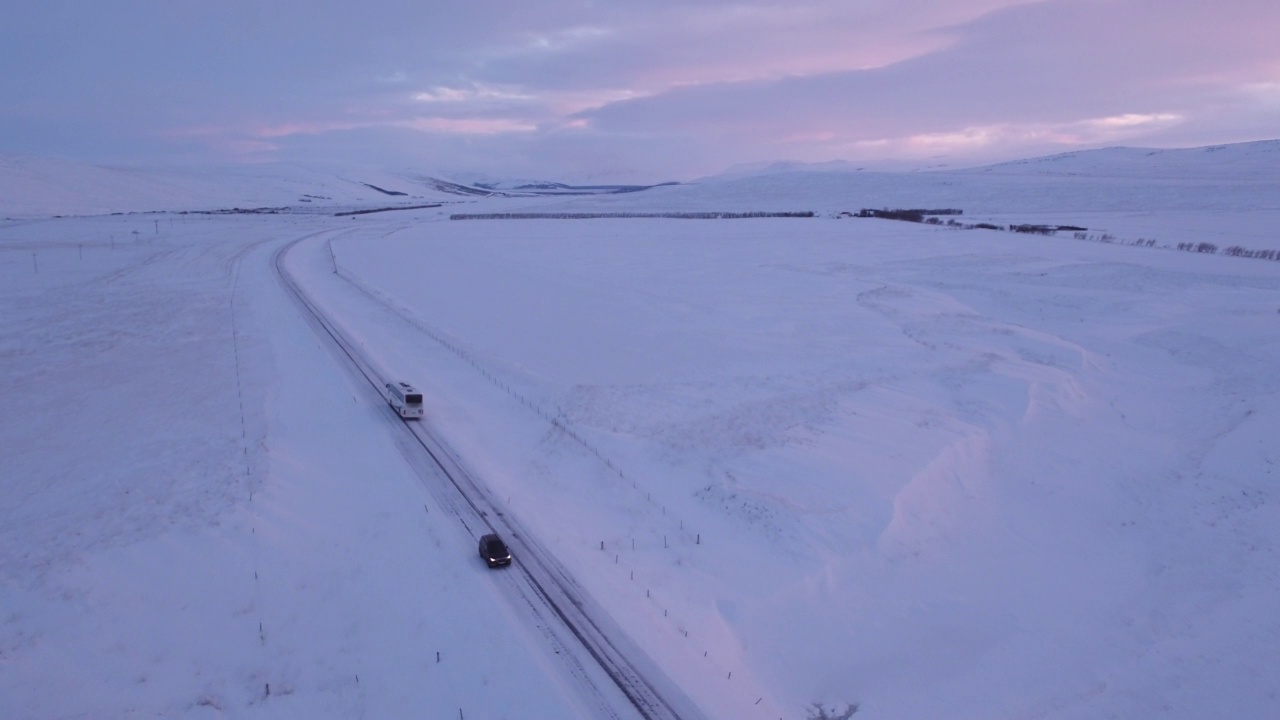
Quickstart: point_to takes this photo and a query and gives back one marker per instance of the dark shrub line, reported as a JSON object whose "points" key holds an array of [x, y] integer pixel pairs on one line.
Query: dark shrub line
{"points": [[928, 217], [1237, 251], [384, 191], [385, 209], [231, 211], [611, 215], [931, 217], [906, 215]]}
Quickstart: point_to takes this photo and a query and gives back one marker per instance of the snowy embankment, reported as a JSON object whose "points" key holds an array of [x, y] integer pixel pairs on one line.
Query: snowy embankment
{"points": [[926, 472]]}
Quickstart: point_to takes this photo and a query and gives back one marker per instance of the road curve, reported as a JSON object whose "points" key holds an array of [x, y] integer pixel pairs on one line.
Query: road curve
{"points": [[566, 612]]}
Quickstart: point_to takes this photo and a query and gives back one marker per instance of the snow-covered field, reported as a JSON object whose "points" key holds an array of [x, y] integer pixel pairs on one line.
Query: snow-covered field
{"points": [[926, 472]]}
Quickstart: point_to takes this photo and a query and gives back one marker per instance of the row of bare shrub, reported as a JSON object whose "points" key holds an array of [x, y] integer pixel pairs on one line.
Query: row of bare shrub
{"points": [[614, 215], [929, 217]]}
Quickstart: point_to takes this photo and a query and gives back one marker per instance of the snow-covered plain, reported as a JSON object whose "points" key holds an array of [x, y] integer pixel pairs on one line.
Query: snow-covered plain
{"points": [[932, 473]]}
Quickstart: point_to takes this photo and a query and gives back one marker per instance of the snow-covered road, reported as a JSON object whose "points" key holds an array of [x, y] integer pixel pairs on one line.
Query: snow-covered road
{"points": [[577, 631]]}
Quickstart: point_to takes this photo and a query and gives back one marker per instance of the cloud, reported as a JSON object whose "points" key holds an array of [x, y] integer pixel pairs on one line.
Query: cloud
{"points": [[1132, 120], [394, 78], [466, 126], [980, 140], [698, 86], [1059, 71], [474, 93]]}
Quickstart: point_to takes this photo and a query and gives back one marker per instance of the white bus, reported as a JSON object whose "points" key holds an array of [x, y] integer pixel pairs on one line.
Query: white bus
{"points": [[404, 399]]}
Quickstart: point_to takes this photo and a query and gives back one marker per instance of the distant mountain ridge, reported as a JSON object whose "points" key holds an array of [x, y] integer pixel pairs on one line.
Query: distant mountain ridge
{"points": [[541, 187], [1250, 160], [46, 186], [40, 187], [526, 188], [1259, 159]]}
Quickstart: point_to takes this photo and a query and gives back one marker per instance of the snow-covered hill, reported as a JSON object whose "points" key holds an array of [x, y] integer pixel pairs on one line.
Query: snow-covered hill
{"points": [[1228, 195], [810, 465], [1220, 178], [1239, 162], [42, 187]]}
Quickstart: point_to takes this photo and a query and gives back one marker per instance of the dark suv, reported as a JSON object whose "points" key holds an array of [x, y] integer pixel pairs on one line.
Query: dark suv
{"points": [[494, 551]]}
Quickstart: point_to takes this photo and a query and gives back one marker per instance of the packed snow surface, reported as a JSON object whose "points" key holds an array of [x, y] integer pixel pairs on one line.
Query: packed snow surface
{"points": [[808, 465]]}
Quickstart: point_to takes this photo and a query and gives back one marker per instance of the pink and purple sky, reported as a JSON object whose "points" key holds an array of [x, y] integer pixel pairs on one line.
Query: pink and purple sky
{"points": [[629, 90]]}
